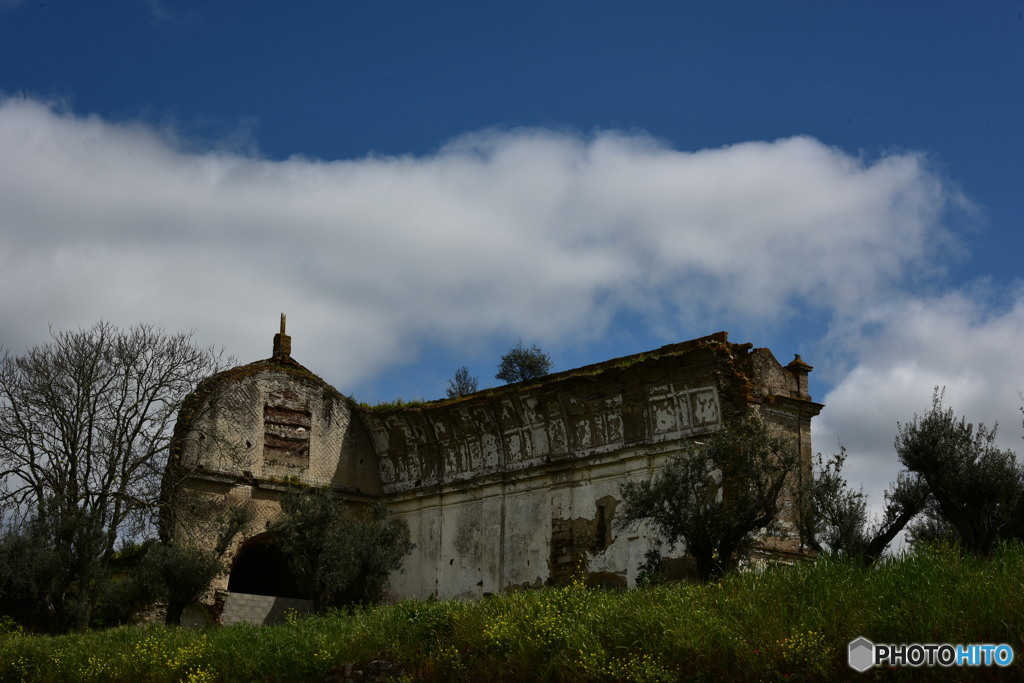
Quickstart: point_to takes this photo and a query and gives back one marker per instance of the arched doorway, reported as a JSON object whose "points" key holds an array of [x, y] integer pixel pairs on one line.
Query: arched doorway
{"points": [[261, 568]]}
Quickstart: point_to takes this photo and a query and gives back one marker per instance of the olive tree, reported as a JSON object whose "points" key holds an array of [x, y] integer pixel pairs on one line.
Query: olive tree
{"points": [[337, 557], [716, 495], [834, 518], [976, 489], [85, 424]]}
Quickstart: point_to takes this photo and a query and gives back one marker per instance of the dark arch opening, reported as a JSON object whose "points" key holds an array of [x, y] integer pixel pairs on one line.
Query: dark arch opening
{"points": [[261, 568]]}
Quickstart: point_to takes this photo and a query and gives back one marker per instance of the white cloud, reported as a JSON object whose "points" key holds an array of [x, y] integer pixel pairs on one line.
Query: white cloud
{"points": [[966, 341], [527, 232]]}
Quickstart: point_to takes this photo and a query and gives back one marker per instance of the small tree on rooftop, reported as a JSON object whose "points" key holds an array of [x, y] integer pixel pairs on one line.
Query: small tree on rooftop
{"points": [[522, 363], [462, 384], [716, 495]]}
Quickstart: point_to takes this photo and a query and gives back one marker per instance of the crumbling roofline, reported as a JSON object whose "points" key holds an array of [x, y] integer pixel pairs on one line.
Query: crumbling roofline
{"points": [[717, 341]]}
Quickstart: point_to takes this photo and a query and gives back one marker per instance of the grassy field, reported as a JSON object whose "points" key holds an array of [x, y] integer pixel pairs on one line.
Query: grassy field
{"points": [[785, 623]]}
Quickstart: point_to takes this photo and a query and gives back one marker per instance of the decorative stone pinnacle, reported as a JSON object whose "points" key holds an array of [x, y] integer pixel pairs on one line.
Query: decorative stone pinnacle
{"points": [[798, 364], [282, 342]]}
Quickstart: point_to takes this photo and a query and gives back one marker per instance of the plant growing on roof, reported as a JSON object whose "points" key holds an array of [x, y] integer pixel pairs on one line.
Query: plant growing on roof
{"points": [[462, 384], [522, 363]]}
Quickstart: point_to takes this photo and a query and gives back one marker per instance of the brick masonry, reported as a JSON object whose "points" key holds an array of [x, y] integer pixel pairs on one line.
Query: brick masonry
{"points": [[260, 609]]}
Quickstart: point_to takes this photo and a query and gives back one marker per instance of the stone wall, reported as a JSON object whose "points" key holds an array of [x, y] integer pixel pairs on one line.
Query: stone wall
{"points": [[273, 421], [242, 608]]}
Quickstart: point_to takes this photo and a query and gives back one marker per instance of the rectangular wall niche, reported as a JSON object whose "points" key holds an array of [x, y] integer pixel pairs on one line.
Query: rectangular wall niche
{"points": [[286, 426]]}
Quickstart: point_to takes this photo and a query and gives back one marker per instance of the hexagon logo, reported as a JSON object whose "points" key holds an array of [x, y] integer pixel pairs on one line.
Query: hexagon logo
{"points": [[861, 655]]}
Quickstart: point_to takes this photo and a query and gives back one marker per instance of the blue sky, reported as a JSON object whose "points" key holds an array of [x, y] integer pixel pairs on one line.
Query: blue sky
{"points": [[420, 184]]}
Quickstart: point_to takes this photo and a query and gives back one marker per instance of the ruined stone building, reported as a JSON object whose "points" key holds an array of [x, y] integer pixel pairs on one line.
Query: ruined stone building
{"points": [[508, 487]]}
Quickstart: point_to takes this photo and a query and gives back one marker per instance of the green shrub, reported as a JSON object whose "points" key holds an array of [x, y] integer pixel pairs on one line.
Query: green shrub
{"points": [[779, 624]]}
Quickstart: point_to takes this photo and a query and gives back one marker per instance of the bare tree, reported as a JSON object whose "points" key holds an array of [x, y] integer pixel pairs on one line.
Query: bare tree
{"points": [[85, 425], [462, 384]]}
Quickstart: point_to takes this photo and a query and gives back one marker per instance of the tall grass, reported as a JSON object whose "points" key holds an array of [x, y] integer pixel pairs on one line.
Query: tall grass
{"points": [[785, 623]]}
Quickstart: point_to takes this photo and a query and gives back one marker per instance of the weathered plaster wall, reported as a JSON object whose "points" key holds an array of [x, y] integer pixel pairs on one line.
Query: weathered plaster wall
{"points": [[518, 486], [649, 401]]}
